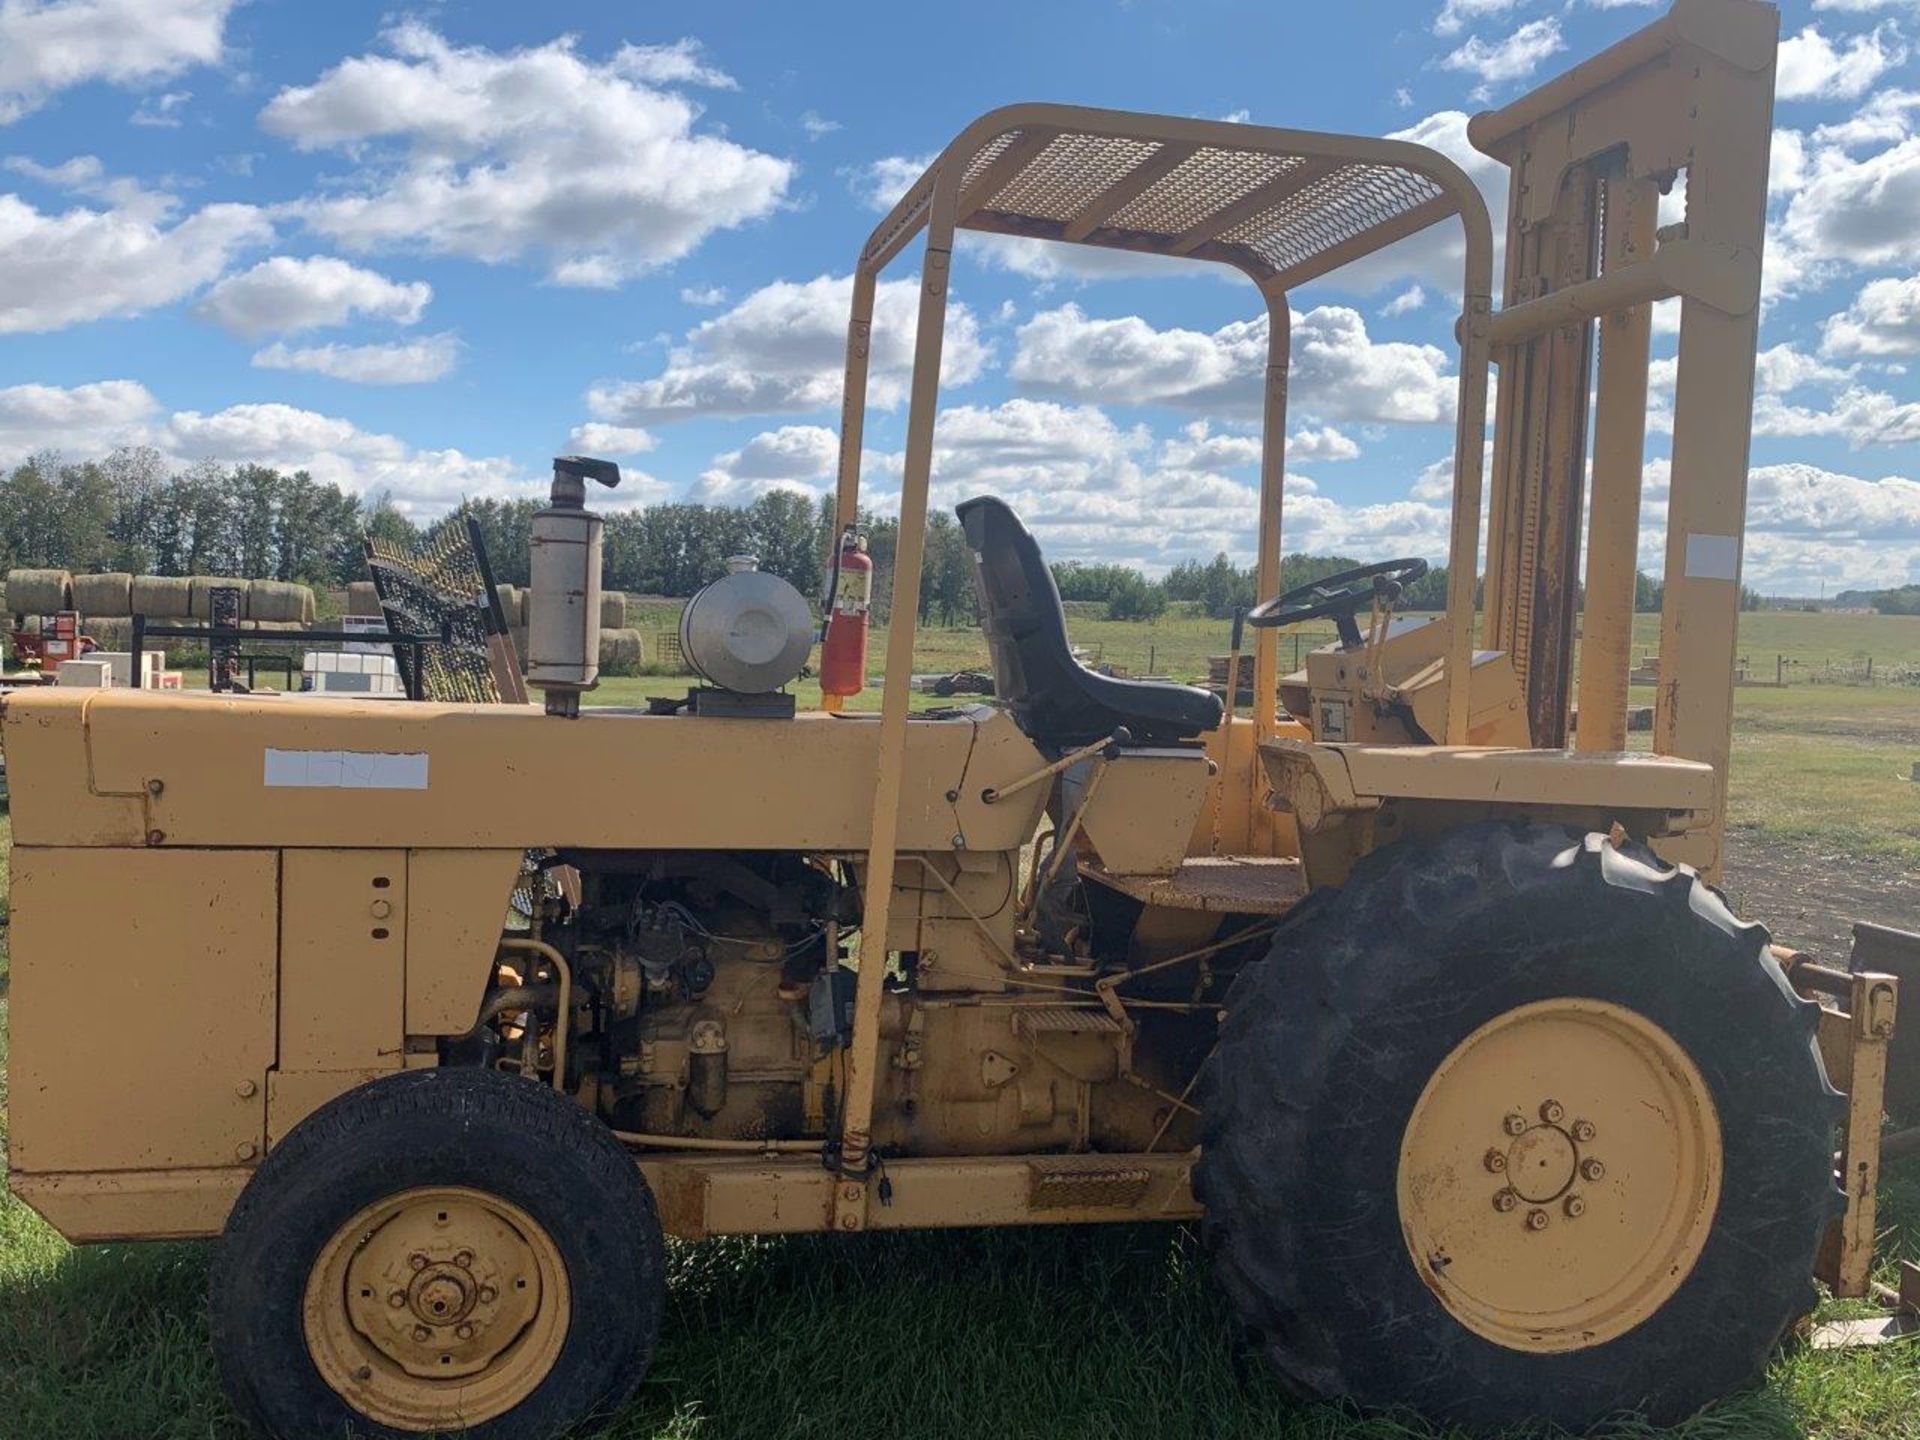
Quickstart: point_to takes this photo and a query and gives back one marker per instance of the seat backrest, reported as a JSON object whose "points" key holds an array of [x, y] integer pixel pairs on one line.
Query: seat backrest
{"points": [[1056, 700]]}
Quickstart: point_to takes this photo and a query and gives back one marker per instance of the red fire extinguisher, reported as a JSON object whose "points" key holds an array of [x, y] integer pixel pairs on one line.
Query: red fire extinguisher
{"points": [[843, 652]]}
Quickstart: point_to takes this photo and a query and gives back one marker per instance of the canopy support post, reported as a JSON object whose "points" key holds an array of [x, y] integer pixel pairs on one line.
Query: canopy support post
{"points": [[863, 1055]]}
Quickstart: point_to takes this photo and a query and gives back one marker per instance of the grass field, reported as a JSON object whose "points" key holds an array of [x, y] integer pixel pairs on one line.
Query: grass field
{"points": [[1058, 1334]]}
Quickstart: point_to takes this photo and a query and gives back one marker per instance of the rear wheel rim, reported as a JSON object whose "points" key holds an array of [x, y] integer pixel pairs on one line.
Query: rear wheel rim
{"points": [[1559, 1176], [437, 1308]]}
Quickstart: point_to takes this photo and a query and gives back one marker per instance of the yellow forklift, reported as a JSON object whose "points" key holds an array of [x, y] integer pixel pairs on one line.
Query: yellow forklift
{"points": [[443, 1016]]}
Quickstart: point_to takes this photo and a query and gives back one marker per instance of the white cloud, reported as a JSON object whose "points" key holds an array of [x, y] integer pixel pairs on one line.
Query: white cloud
{"points": [[1311, 443], [85, 175], [879, 184], [705, 296], [675, 64], [283, 295], [85, 420], [336, 451], [1857, 212], [161, 112], [1885, 118], [817, 125], [1850, 410], [1785, 367], [782, 350], [1513, 58], [1786, 162], [1456, 15], [1811, 67], [1856, 414], [529, 152], [59, 269], [1092, 489], [89, 420], [1884, 319], [794, 457], [596, 438], [1405, 303], [1199, 447], [404, 362], [1338, 372], [1805, 500], [1807, 527], [48, 47]]}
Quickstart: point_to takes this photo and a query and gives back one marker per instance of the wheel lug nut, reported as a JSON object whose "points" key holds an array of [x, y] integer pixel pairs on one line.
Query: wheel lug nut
{"points": [[1592, 1170], [1516, 1123], [464, 1259], [1505, 1200], [1583, 1131], [1536, 1220], [421, 1333], [417, 1260], [1496, 1161], [464, 1331], [1575, 1207], [1551, 1111], [488, 1294], [397, 1299]]}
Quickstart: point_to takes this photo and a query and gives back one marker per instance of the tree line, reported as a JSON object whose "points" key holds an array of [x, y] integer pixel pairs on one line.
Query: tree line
{"points": [[131, 512]]}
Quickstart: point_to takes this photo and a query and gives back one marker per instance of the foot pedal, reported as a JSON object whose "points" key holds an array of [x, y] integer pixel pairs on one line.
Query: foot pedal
{"points": [[1064, 1020]]}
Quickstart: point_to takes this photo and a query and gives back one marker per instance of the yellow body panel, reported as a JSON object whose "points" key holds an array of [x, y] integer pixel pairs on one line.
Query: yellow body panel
{"points": [[455, 899], [343, 929], [196, 768], [143, 1007]]}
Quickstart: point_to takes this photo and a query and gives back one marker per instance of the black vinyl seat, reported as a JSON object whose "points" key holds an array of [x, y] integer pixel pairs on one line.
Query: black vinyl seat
{"points": [[1056, 701]]}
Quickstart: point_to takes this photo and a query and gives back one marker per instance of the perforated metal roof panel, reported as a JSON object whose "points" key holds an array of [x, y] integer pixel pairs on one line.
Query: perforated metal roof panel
{"points": [[1282, 205]]}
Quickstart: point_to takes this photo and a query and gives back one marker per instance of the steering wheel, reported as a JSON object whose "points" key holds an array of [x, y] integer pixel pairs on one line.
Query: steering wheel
{"points": [[1340, 596]]}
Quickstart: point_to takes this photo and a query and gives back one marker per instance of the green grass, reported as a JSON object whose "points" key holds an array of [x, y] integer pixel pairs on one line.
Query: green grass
{"points": [[1042, 1333]]}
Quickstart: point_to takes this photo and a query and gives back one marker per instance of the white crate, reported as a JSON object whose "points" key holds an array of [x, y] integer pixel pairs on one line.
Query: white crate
{"points": [[153, 664], [88, 674]]}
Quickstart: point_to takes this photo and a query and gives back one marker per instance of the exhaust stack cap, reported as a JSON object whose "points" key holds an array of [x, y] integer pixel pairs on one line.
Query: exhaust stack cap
{"points": [[570, 476]]}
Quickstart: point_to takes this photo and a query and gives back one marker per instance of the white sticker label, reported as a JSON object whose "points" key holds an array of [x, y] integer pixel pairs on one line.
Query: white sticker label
{"points": [[345, 770], [1713, 557]]}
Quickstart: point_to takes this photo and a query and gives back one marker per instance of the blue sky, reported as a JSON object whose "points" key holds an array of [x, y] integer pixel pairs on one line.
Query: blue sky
{"points": [[419, 251]]}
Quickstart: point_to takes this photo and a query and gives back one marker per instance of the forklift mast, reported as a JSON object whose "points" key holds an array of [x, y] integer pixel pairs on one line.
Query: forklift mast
{"points": [[1683, 107]]}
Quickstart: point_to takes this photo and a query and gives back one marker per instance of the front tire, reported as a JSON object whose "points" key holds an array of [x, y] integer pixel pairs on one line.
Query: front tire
{"points": [[439, 1252], [1518, 1127]]}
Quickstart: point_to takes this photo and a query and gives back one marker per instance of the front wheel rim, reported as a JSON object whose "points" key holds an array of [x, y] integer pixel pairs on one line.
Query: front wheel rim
{"points": [[437, 1308], [1560, 1174]]}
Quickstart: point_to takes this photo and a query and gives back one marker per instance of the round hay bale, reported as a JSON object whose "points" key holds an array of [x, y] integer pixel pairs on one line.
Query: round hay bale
{"points": [[39, 592], [279, 600], [613, 610], [621, 651], [162, 597], [110, 594], [362, 599], [203, 588]]}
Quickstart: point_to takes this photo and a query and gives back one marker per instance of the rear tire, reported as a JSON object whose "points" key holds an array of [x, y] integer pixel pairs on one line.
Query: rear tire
{"points": [[459, 1218], [1391, 1208]]}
